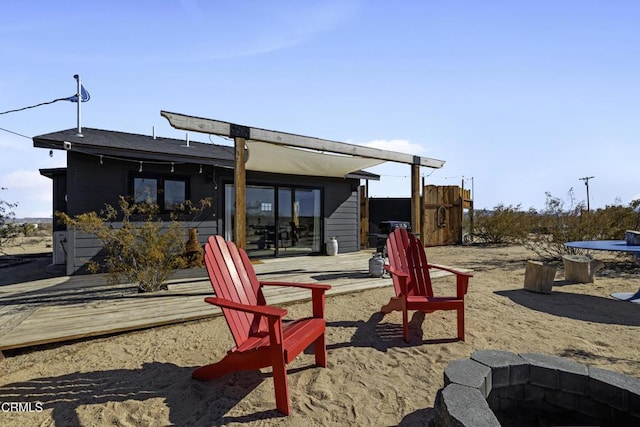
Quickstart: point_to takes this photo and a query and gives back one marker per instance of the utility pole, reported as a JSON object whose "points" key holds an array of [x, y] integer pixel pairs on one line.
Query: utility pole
{"points": [[586, 183]]}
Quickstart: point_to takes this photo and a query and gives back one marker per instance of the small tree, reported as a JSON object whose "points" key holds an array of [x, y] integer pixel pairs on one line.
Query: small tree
{"points": [[8, 227], [146, 251]]}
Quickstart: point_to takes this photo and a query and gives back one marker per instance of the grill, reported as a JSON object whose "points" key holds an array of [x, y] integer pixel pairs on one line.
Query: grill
{"points": [[384, 229]]}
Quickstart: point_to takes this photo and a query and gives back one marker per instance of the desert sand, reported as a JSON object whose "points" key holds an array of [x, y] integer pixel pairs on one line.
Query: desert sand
{"points": [[374, 378]]}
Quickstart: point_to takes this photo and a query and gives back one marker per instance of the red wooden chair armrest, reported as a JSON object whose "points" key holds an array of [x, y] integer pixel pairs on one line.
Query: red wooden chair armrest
{"points": [[317, 294], [317, 286], [263, 310], [450, 270], [392, 270], [462, 278], [404, 278]]}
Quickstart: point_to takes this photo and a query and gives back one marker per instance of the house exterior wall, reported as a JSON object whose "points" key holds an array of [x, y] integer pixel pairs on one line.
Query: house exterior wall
{"points": [[59, 197], [83, 247], [342, 216], [91, 184]]}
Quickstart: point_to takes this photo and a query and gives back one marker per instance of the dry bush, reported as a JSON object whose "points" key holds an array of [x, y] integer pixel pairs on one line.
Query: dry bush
{"points": [[143, 250], [9, 230], [504, 224], [546, 232]]}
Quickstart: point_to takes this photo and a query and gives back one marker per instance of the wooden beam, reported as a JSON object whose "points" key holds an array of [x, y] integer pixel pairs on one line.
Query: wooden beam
{"points": [[416, 220], [197, 124], [240, 184], [216, 127]]}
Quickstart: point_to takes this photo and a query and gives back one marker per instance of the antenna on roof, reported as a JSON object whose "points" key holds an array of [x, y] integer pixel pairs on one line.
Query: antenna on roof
{"points": [[79, 96], [187, 140], [153, 128]]}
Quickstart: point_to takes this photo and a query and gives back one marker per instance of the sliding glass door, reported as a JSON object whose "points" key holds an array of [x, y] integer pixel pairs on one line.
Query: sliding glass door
{"points": [[280, 220]]}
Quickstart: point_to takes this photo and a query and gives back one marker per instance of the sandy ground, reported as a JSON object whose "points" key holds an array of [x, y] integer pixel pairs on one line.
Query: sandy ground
{"points": [[373, 378]]}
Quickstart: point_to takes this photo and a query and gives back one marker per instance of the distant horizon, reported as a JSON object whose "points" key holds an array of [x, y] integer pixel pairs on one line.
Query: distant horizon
{"points": [[50, 218], [39, 219]]}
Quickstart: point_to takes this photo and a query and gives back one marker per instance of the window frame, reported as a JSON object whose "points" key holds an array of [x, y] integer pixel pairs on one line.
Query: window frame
{"points": [[161, 179]]}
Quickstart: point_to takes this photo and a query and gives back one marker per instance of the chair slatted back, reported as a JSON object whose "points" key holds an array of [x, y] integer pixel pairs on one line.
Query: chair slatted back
{"points": [[233, 278], [407, 254]]}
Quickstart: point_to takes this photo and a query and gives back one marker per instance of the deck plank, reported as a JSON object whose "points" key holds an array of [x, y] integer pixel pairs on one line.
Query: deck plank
{"points": [[64, 309]]}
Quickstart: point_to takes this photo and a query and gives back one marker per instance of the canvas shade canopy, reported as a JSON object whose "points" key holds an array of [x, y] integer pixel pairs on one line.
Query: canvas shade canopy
{"points": [[267, 157], [246, 133]]}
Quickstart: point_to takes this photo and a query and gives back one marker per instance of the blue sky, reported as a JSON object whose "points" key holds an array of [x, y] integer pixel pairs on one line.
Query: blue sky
{"points": [[518, 97]]}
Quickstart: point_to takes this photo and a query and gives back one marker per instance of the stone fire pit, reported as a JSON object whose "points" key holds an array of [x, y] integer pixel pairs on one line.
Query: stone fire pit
{"points": [[499, 388]]}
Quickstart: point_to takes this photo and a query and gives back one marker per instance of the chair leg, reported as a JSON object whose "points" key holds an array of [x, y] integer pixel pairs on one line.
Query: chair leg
{"points": [[280, 382], [405, 325], [461, 324], [320, 350]]}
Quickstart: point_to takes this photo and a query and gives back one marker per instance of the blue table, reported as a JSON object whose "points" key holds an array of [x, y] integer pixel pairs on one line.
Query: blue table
{"points": [[612, 245]]}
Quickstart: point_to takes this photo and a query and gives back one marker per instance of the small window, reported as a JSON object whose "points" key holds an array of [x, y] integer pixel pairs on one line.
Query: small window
{"points": [[145, 190], [175, 193], [164, 192]]}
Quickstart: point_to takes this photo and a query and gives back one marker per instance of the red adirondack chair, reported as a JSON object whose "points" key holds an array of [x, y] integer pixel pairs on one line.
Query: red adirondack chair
{"points": [[262, 337], [409, 269]]}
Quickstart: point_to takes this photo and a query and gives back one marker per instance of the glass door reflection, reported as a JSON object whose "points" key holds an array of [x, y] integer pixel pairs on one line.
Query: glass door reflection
{"points": [[280, 221], [299, 220], [261, 221]]}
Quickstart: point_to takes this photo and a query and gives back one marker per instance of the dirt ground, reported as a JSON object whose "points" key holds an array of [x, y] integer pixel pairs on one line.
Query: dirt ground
{"points": [[27, 259], [373, 377]]}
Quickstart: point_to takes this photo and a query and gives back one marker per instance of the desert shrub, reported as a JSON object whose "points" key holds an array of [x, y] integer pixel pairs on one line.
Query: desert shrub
{"points": [[29, 230], [45, 229], [8, 228], [612, 221], [558, 224], [503, 224], [143, 250]]}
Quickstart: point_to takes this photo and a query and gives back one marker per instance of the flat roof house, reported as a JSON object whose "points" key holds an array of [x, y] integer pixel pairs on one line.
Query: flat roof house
{"points": [[286, 213], [274, 193]]}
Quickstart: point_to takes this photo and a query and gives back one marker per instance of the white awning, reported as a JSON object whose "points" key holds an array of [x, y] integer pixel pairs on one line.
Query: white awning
{"points": [[266, 157]]}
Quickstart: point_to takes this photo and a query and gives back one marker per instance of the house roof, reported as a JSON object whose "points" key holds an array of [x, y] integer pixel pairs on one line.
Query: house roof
{"points": [[137, 147], [50, 173], [148, 148]]}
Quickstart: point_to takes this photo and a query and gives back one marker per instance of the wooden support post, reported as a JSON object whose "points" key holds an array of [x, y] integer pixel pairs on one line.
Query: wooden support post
{"points": [[416, 220], [364, 215], [580, 268], [471, 219], [240, 184], [538, 277]]}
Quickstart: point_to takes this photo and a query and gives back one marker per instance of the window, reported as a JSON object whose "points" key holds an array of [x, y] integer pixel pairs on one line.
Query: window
{"points": [[174, 193], [164, 192], [145, 190]]}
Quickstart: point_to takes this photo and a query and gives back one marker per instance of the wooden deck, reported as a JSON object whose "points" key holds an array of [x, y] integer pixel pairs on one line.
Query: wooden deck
{"points": [[71, 307]]}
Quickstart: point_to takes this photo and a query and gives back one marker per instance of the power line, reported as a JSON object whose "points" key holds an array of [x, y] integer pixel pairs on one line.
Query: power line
{"points": [[34, 106], [15, 133], [81, 96]]}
